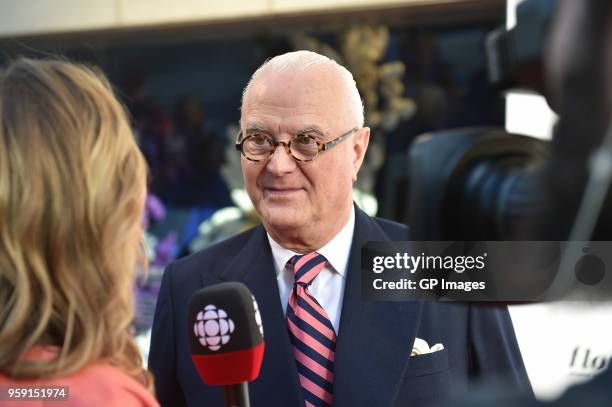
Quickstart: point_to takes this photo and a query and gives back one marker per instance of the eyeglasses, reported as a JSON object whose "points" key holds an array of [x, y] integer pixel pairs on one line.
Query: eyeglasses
{"points": [[301, 147]]}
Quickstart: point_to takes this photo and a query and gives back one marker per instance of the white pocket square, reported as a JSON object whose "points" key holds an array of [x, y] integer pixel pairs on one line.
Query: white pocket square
{"points": [[421, 347]]}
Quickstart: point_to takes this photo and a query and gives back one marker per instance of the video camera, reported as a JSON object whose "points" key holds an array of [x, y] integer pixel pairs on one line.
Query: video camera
{"points": [[487, 184]]}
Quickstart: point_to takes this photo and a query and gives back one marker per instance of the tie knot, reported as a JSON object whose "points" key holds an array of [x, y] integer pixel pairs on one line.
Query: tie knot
{"points": [[306, 267]]}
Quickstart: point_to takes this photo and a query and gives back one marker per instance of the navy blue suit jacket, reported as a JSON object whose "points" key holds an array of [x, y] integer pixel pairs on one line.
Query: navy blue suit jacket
{"points": [[373, 366]]}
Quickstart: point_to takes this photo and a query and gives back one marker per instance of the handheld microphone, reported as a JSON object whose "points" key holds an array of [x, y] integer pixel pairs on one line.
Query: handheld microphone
{"points": [[226, 338]]}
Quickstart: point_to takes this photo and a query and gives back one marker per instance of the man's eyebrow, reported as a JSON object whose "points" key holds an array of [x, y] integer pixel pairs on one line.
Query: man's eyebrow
{"points": [[255, 127], [312, 129]]}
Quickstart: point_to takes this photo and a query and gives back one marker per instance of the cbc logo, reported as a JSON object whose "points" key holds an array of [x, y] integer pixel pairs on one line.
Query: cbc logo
{"points": [[213, 327]]}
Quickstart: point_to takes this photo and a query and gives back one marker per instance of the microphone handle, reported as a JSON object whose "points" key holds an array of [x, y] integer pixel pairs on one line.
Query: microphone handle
{"points": [[237, 395]]}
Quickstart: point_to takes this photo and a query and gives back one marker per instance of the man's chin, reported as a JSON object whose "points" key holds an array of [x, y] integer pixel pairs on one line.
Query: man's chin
{"points": [[282, 219], [284, 224]]}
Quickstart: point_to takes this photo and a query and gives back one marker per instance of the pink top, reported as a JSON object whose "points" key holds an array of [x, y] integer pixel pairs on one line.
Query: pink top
{"points": [[97, 384]]}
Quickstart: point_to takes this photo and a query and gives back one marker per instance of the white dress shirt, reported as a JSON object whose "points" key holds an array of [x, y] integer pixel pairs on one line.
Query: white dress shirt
{"points": [[328, 286]]}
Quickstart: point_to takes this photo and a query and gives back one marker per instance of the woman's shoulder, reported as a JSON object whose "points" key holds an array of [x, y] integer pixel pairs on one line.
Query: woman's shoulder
{"points": [[109, 382], [97, 384]]}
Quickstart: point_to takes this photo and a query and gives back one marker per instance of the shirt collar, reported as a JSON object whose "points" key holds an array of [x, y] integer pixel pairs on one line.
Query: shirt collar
{"points": [[336, 251]]}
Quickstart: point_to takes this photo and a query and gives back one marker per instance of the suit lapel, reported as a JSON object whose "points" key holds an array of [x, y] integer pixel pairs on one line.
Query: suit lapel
{"points": [[375, 338], [253, 266]]}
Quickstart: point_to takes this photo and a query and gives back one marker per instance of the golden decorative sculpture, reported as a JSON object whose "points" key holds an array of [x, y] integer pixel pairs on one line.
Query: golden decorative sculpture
{"points": [[361, 49]]}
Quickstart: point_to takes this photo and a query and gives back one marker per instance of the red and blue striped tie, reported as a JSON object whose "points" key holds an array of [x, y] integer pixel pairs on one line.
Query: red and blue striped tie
{"points": [[311, 333]]}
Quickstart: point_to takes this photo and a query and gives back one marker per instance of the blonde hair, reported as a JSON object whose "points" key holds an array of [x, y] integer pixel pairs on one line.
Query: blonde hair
{"points": [[72, 186], [304, 60]]}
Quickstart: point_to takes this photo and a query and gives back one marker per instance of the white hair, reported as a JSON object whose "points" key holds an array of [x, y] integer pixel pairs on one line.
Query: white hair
{"points": [[303, 61]]}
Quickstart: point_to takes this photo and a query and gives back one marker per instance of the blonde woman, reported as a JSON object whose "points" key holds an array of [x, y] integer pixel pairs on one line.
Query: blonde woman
{"points": [[72, 189]]}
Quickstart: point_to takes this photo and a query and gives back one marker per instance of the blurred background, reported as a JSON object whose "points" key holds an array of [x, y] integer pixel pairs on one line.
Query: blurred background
{"points": [[180, 68]]}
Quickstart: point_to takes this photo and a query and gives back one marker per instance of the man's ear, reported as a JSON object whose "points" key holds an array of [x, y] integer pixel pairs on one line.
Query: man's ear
{"points": [[360, 146]]}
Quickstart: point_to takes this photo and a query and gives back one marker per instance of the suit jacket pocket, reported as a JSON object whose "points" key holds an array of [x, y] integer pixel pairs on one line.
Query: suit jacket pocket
{"points": [[427, 381], [427, 364]]}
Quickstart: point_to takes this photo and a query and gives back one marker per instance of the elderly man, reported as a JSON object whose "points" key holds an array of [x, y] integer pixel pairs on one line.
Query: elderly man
{"points": [[302, 141]]}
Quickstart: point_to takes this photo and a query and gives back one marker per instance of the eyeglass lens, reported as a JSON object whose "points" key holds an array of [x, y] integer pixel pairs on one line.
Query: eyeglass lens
{"points": [[303, 147]]}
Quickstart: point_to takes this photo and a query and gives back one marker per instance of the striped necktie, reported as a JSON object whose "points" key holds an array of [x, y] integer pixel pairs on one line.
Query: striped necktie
{"points": [[311, 333]]}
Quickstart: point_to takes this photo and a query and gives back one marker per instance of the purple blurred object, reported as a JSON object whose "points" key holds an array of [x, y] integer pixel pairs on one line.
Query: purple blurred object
{"points": [[164, 252], [155, 208], [147, 288]]}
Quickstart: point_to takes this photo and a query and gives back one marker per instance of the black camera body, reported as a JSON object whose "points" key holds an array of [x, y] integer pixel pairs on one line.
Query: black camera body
{"points": [[487, 184]]}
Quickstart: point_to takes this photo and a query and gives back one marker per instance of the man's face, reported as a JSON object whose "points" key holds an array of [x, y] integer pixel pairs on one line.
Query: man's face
{"points": [[295, 197]]}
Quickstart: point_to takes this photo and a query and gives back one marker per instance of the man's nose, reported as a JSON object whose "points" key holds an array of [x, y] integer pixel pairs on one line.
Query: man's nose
{"points": [[280, 162]]}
